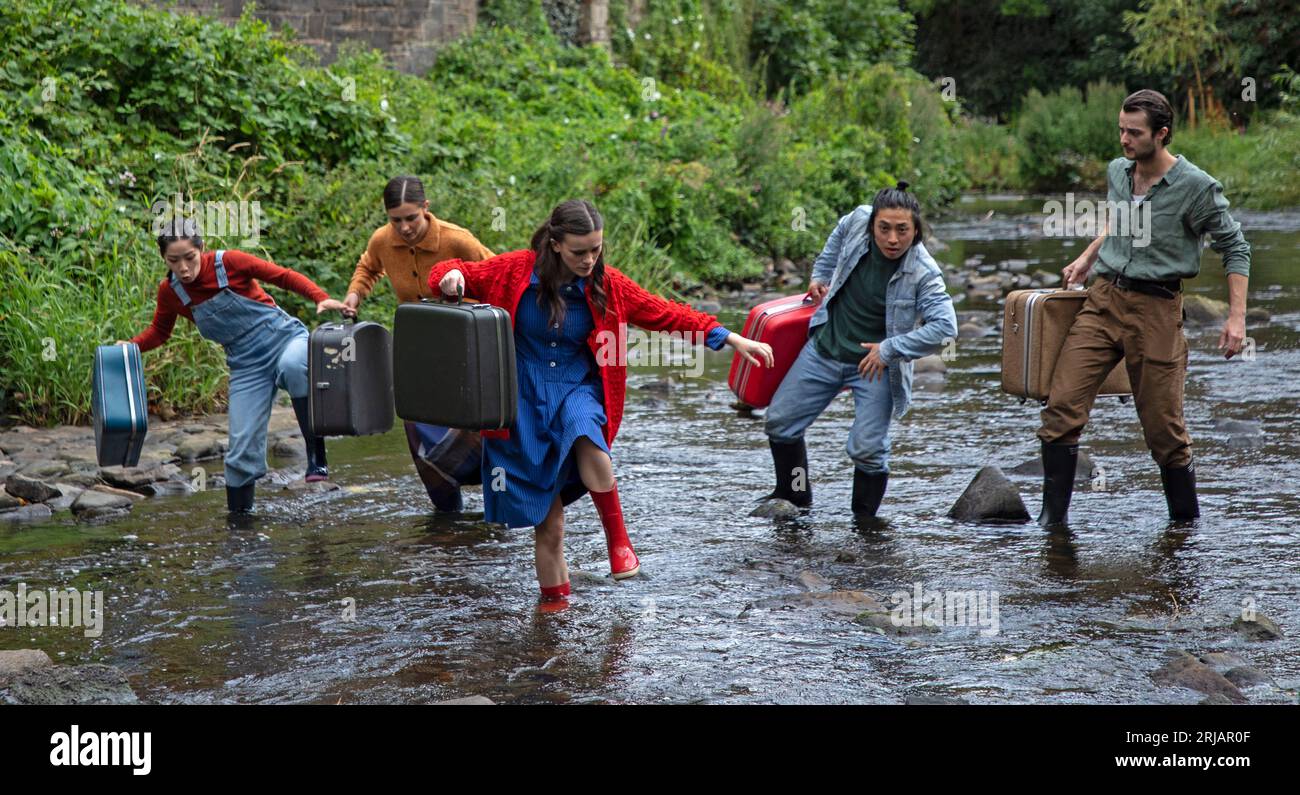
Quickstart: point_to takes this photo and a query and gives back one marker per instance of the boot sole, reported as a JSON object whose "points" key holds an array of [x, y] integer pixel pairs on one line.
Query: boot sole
{"points": [[623, 575]]}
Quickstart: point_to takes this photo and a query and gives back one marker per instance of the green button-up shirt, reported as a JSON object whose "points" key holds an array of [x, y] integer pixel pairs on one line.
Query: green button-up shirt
{"points": [[1185, 204]]}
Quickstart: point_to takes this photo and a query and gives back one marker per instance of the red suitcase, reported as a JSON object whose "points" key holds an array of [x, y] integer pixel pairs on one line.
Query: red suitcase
{"points": [[783, 324]]}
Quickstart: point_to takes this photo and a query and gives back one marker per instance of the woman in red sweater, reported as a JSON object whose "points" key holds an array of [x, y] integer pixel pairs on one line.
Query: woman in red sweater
{"points": [[265, 347], [570, 314]]}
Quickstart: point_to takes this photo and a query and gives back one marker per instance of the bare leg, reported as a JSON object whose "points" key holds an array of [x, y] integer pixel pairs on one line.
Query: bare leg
{"points": [[594, 466], [552, 569]]}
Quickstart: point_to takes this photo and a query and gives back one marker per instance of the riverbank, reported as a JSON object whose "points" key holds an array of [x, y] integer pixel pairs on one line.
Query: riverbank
{"points": [[51, 471]]}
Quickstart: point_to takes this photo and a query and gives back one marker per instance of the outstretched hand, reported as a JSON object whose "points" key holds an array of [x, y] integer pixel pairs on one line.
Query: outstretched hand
{"points": [[752, 351]]}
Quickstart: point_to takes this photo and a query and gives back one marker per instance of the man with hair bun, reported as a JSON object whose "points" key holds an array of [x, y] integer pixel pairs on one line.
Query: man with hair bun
{"points": [[875, 280]]}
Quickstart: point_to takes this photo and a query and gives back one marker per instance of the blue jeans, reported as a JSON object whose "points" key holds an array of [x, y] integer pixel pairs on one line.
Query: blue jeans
{"points": [[252, 395], [811, 385]]}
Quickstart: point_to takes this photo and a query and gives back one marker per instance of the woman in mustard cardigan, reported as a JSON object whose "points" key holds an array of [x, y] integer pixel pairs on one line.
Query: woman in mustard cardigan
{"points": [[405, 250]]}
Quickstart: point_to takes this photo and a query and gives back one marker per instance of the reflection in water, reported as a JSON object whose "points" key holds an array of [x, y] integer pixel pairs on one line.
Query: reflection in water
{"points": [[361, 595]]}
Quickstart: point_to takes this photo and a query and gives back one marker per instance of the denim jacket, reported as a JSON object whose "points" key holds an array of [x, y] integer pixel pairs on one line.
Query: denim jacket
{"points": [[919, 316]]}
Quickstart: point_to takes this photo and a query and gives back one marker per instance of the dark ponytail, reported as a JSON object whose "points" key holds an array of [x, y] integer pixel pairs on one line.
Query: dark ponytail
{"points": [[573, 217], [401, 190], [897, 198]]}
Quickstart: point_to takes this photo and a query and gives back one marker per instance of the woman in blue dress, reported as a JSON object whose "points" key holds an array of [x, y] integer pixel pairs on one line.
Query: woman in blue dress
{"points": [[570, 313]]}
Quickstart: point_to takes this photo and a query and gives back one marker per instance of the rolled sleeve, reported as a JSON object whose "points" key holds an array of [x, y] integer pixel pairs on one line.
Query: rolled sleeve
{"points": [[1210, 216], [717, 338]]}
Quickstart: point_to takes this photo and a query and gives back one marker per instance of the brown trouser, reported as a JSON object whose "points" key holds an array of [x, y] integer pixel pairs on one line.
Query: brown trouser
{"points": [[1146, 331]]}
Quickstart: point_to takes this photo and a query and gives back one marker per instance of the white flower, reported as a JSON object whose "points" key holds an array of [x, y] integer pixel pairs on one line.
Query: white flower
{"points": [[629, 32], [647, 37], [383, 104], [512, 179], [157, 155], [695, 46]]}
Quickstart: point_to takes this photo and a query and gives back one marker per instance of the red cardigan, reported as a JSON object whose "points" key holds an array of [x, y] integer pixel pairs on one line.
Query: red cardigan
{"points": [[502, 280]]}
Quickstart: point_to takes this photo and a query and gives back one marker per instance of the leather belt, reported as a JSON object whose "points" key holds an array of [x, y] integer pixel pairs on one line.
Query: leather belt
{"points": [[1165, 289]]}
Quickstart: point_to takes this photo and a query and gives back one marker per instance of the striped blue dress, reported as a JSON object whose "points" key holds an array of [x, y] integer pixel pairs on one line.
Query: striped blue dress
{"points": [[560, 400]]}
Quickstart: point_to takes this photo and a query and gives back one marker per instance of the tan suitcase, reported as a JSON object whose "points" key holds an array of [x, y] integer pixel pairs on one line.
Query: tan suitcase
{"points": [[1034, 326]]}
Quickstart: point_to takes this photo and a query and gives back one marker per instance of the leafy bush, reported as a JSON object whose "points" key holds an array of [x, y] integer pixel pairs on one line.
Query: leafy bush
{"points": [[1067, 137]]}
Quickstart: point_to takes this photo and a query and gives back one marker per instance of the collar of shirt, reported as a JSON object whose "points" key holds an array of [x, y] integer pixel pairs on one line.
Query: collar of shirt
{"points": [[430, 240], [580, 282], [1168, 178]]}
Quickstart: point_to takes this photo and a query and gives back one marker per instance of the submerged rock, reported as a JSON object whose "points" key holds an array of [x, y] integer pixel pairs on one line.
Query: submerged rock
{"points": [[1084, 469], [776, 509], [27, 513], [467, 701], [58, 684], [990, 497], [925, 699], [930, 364], [1184, 670], [1261, 627]]}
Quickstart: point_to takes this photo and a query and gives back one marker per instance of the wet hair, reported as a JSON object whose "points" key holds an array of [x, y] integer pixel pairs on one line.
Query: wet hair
{"points": [[1157, 109], [573, 217], [179, 228], [401, 190], [896, 198]]}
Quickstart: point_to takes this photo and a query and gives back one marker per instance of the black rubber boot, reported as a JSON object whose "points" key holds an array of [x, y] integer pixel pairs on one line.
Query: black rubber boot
{"points": [[790, 460], [1180, 492], [1059, 462], [868, 491], [316, 467], [239, 499]]}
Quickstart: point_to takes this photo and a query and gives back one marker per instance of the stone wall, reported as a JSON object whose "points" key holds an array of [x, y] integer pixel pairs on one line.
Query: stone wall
{"points": [[409, 32]]}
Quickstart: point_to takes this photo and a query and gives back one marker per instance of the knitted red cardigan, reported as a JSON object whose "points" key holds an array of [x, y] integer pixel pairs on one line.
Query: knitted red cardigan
{"points": [[502, 280]]}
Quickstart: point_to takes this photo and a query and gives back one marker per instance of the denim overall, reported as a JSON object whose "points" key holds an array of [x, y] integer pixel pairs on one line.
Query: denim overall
{"points": [[265, 349]]}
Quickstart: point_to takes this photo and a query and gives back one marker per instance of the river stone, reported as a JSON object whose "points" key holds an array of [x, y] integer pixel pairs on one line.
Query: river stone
{"points": [[1257, 315], [1216, 700], [1184, 670], [933, 363], [97, 500], [317, 487], [289, 447], [1238, 427], [8, 501], [167, 488], [990, 497], [974, 331], [201, 447], [814, 581], [83, 479], [7, 468], [1047, 279], [708, 307], [924, 699], [70, 495], [45, 469], [1222, 661], [1200, 309], [135, 477], [59, 684], [15, 662], [1246, 676], [30, 489], [1261, 627], [1084, 469], [467, 701], [776, 508], [27, 513]]}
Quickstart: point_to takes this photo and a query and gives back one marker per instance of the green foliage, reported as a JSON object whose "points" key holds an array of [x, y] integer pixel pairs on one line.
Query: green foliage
{"points": [[1067, 137], [806, 42]]}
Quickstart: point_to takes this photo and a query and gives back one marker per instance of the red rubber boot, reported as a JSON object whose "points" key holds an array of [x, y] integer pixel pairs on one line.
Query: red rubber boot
{"points": [[554, 598], [623, 562]]}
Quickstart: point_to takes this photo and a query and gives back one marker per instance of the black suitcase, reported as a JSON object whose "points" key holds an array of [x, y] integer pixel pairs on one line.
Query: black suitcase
{"points": [[454, 365], [118, 405], [350, 367]]}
